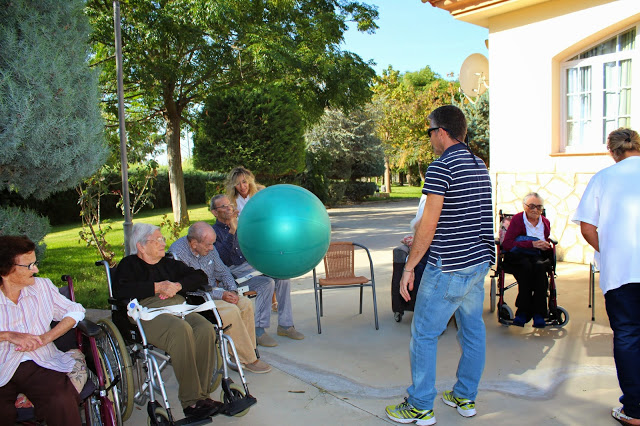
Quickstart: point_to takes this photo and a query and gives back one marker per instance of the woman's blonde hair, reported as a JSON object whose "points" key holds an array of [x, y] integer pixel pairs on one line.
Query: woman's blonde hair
{"points": [[232, 179], [622, 140]]}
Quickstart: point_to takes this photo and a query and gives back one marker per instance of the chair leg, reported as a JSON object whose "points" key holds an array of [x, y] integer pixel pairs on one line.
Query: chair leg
{"points": [[321, 305], [361, 292], [315, 293], [375, 304]]}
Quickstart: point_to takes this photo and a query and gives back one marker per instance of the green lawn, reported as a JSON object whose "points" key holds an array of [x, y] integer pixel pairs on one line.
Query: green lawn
{"points": [[67, 254]]}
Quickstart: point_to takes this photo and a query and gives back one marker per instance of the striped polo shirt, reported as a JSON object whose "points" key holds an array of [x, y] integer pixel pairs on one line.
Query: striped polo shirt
{"points": [[464, 235]]}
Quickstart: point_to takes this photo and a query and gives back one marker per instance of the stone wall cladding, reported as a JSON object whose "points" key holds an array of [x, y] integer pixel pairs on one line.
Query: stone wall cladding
{"points": [[561, 193]]}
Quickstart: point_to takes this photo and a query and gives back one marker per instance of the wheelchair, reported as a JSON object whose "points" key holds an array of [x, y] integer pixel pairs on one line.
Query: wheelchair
{"points": [[557, 316], [137, 365], [97, 395]]}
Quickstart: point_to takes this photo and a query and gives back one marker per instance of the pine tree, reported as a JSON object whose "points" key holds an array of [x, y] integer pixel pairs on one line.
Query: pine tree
{"points": [[50, 124]]}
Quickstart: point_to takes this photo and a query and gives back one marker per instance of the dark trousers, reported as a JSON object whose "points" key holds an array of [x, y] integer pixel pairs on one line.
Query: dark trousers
{"points": [[531, 273], [624, 317], [51, 392]]}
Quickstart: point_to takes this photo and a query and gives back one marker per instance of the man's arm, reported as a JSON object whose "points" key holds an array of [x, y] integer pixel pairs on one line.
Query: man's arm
{"points": [[590, 233], [422, 240]]}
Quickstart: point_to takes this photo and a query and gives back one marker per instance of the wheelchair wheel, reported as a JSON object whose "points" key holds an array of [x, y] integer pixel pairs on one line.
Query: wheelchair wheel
{"points": [[217, 369], [505, 314], [492, 295], [237, 392], [160, 417], [562, 317], [116, 352], [109, 374]]}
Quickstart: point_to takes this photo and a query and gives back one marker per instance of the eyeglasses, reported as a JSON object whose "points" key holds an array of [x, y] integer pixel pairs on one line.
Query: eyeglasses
{"points": [[431, 129], [535, 206], [160, 240], [226, 206], [29, 266]]}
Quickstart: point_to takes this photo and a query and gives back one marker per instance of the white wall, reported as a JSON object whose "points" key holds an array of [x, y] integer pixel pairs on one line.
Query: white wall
{"points": [[526, 49]]}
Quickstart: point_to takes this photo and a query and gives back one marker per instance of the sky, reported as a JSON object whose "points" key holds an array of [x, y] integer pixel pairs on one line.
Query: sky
{"points": [[413, 35]]}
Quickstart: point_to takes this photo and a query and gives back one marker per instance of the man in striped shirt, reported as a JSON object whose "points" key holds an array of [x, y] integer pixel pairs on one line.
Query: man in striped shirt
{"points": [[457, 227]]}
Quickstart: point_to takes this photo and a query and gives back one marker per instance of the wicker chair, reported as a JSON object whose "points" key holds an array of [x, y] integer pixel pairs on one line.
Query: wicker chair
{"points": [[339, 273]]}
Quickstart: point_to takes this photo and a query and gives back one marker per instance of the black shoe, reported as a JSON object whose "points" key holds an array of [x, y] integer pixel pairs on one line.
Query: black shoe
{"points": [[202, 409]]}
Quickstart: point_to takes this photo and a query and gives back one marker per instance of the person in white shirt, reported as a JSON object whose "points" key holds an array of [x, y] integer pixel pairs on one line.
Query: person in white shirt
{"points": [[609, 219]]}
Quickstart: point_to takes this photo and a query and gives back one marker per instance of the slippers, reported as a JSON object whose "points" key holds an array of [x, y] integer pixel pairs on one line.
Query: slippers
{"points": [[621, 417]]}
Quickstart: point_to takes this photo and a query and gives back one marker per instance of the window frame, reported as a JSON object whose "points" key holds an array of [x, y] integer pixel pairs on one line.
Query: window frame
{"points": [[595, 141]]}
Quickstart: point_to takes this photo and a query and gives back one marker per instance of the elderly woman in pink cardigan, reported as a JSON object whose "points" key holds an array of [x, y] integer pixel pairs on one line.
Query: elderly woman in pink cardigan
{"points": [[528, 251]]}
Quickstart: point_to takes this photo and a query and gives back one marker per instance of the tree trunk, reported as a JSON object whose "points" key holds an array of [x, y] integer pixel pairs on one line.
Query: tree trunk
{"points": [[387, 175], [176, 177]]}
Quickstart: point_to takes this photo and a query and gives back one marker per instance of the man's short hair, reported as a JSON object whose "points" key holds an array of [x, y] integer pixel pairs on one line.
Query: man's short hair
{"points": [[215, 198], [451, 118], [197, 230]]}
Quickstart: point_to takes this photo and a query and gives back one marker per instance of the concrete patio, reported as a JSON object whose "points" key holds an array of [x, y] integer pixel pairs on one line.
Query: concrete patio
{"points": [[350, 372]]}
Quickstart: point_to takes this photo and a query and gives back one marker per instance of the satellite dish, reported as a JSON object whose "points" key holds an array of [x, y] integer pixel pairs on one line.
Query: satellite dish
{"points": [[474, 75]]}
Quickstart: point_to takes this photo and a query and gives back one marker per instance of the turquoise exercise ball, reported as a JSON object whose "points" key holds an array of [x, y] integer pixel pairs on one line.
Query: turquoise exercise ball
{"points": [[284, 231]]}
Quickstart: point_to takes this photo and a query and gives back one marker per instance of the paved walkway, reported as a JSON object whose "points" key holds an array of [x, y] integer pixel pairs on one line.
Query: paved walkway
{"points": [[350, 372]]}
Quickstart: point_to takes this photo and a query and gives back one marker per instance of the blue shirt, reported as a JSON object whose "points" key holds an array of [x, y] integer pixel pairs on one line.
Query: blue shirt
{"points": [[464, 234], [218, 273], [227, 245]]}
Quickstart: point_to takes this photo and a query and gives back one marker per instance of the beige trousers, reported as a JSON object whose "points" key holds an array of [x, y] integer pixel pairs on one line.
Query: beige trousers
{"points": [[243, 328]]}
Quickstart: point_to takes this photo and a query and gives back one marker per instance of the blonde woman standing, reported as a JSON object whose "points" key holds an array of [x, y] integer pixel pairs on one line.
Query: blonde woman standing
{"points": [[240, 187]]}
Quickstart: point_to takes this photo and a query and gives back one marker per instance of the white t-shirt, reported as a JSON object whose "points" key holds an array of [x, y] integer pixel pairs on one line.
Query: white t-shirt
{"points": [[611, 203], [240, 202]]}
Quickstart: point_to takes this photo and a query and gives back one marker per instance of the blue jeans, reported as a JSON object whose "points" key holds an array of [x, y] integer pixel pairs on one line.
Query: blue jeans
{"points": [[441, 294], [624, 317]]}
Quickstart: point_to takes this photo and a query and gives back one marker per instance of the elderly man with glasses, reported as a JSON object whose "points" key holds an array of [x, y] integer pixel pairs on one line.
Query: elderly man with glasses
{"points": [[197, 250], [230, 253], [527, 252]]}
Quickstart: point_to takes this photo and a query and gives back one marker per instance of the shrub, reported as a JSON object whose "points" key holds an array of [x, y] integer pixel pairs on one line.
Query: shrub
{"points": [[336, 192], [358, 191], [18, 221]]}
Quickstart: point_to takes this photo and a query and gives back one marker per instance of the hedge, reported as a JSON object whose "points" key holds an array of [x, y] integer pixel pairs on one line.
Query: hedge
{"points": [[62, 207]]}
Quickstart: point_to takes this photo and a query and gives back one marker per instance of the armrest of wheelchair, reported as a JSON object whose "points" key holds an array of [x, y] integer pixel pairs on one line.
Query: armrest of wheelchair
{"points": [[120, 303], [555, 242], [89, 328], [250, 294]]}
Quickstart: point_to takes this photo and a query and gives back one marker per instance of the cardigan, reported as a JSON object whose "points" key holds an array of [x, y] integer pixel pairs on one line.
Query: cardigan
{"points": [[517, 228]]}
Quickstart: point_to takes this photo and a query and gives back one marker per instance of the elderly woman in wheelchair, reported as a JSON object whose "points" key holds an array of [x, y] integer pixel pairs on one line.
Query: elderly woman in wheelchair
{"points": [[528, 256], [30, 363], [156, 282]]}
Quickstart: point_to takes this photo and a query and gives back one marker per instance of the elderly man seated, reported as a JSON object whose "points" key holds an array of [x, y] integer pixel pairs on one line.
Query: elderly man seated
{"points": [[230, 253], [196, 250], [527, 253], [30, 363], [157, 281]]}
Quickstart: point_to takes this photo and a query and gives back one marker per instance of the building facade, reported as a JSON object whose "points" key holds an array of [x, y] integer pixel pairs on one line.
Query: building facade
{"points": [[562, 76]]}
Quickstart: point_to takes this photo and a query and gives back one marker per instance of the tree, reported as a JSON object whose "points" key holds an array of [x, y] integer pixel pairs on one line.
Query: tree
{"points": [[50, 124], [350, 142], [403, 103], [477, 114], [259, 128], [177, 52]]}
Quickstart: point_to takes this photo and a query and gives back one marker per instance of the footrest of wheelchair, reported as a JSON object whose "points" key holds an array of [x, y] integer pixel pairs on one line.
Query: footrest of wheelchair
{"points": [[190, 421], [234, 407]]}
